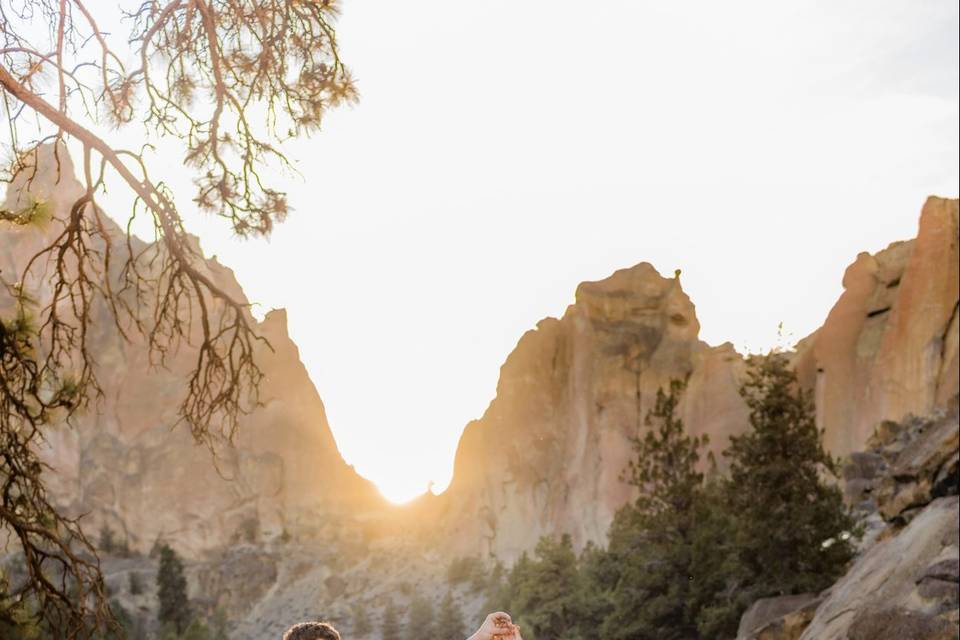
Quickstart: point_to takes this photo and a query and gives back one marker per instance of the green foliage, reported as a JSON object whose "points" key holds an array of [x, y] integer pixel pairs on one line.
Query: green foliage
{"points": [[690, 554], [789, 530], [390, 627], [450, 624], [648, 577], [497, 590], [37, 213], [420, 619], [172, 591], [134, 583], [198, 630], [468, 569], [107, 542], [546, 591]]}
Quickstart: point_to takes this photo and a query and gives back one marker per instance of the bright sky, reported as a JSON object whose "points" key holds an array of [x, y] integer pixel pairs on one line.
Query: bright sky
{"points": [[504, 151]]}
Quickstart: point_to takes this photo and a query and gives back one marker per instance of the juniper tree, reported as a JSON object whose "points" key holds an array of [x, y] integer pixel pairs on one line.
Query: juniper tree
{"points": [[174, 611], [651, 540], [420, 619], [545, 590], [450, 624], [790, 532]]}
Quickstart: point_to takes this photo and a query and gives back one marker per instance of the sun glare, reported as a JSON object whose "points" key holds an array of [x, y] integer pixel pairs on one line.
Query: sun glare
{"points": [[400, 488]]}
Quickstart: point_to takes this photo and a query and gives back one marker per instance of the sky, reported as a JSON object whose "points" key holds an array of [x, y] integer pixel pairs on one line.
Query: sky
{"points": [[504, 151]]}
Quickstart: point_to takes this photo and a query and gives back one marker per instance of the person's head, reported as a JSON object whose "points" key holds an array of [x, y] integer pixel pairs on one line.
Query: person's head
{"points": [[311, 631]]}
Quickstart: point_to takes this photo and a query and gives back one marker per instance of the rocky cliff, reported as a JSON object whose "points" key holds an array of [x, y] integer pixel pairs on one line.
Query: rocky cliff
{"points": [[547, 455], [127, 466], [906, 582], [889, 347]]}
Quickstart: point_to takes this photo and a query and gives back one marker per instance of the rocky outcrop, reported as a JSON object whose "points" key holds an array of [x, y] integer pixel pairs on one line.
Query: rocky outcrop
{"points": [[779, 618], [903, 587], [889, 346], [906, 582], [126, 464], [548, 454]]}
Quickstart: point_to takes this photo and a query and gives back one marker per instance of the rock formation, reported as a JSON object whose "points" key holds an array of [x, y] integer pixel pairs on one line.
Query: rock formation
{"points": [[905, 584], [889, 347], [126, 464], [548, 454]]}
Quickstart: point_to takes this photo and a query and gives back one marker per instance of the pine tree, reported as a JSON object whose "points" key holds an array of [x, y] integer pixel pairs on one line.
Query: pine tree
{"points": [[450, 625], [420, 619], [134, 583], [172, 591], [790, 529], [651, 540], [391, 623], [107, 542], [545, 590]]}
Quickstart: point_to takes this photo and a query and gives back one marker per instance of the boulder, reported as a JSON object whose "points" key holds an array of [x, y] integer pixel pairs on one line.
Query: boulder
{"points": [[778, 618], [893, 590]]}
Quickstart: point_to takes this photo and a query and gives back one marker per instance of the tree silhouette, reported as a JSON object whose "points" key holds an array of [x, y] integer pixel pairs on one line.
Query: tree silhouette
{"points": [[174, 609], [261, 71], [450, 625], [420, 619]]}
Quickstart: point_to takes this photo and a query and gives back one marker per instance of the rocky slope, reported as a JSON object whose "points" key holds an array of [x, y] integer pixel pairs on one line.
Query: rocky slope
{"points": [[547, 455], [905, 585], [126, 465]]}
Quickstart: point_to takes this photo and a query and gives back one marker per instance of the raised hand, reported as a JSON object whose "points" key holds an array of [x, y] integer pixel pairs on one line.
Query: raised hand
{"points": [[497, 626]]}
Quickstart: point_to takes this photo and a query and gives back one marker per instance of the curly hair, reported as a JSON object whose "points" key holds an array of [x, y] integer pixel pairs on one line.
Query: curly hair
{"points": [[311, 631]]}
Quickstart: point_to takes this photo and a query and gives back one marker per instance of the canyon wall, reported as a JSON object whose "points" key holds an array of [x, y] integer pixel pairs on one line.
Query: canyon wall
{"points": [[127, 464], [548, 454], [889, 346]]}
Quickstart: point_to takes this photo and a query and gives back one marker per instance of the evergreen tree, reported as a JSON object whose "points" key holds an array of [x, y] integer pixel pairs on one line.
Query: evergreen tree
{"points": [[391, 623], [791, 531], [420, 619], [450, 625], [651, 540], [497, 590], [107, 542], [134, 583], [172, 591], [545, 590]]}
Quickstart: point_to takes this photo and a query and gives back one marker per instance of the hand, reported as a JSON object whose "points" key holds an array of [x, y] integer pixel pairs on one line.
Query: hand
{"points": [[497, 626]]}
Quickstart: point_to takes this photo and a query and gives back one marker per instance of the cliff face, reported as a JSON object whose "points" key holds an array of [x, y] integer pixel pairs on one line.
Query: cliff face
{"points": [[548, 454], [889, 346], [126, 464]]}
